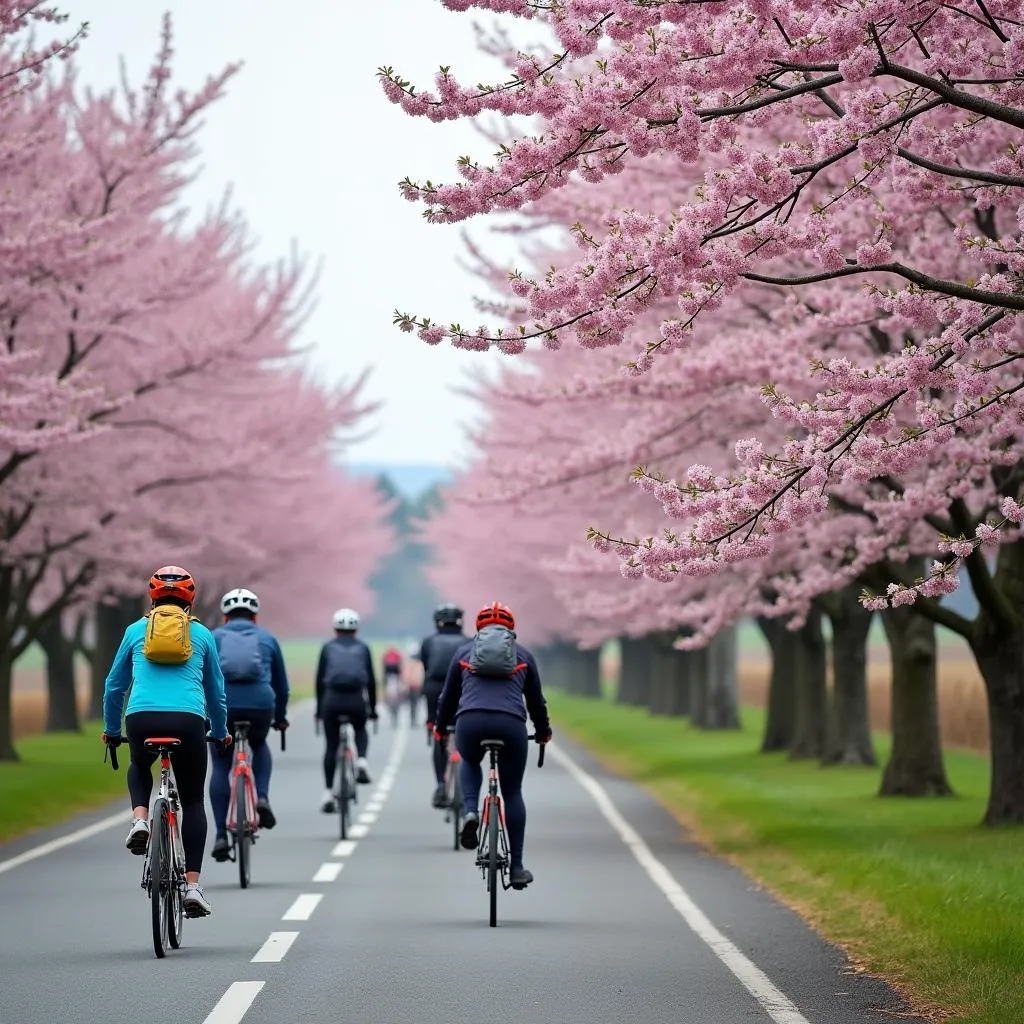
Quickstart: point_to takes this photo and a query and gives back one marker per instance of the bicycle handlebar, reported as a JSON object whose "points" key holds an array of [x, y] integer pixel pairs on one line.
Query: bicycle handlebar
{"points": [[110, 747], [543, 747]]}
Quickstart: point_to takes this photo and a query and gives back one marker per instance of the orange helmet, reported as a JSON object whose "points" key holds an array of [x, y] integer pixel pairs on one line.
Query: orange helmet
{"points": [[495, 614], [172, 581]]}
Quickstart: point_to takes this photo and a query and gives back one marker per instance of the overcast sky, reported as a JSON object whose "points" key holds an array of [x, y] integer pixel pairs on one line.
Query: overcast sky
{"points": [[313, 152]]}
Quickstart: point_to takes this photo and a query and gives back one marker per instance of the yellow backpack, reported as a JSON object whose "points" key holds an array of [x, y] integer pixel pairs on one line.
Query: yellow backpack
{"points": [[168, 635]]}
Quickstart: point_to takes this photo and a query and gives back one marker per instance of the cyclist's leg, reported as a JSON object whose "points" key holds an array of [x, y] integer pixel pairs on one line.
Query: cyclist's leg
{"points": [[358, 719], [511, 768], [220, 785], [189, 763], [332, 740], [137, 727], [262, 761], [439, 754], [471, 774]]}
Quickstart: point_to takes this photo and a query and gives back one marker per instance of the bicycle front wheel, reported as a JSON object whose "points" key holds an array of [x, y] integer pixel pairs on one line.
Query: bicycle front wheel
{"points": [[457, 811], [243, 831], [160, 877], [176, 898], [493, 824]]}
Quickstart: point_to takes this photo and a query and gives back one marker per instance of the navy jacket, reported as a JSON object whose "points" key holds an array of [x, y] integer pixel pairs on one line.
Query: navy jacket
{"points": [[271, 692], [321, 671], [446, 641], [464, 691]]}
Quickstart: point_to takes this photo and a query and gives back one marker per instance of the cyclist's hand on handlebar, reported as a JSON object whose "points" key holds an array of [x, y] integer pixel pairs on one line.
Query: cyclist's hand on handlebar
{"points": [[439, 736], [112, 741], [282, 725], [222, 741]]}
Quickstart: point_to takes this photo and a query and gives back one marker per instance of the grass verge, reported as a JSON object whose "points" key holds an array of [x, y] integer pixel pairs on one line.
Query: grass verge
{"points": [[914, 890], [59, 774]]}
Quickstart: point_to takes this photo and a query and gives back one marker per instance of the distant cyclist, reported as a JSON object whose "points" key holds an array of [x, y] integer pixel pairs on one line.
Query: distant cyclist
{"points": [[484, 694], [257, 692], [412, 680], [170, 662], [345, 687], [391, 669], [436, 653]]}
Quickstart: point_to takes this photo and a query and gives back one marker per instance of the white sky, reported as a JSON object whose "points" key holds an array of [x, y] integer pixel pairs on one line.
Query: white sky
{"points": [[313, 151]]}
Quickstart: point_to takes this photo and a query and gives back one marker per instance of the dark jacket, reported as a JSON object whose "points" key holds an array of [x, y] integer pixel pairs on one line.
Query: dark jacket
{"points": [[272, 689], [464, 691], [436, 653], [369, 694]]}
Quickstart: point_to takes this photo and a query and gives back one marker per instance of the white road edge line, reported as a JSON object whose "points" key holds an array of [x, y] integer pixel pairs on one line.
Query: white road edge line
{"points": [[303, 907], [328, 872], [344, 849], [231, 1006], [274, 949], [750, 976], [122, 817]]}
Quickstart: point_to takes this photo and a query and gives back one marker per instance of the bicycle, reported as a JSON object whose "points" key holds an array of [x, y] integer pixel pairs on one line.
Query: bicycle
{"points": [[347, 791], [453, 790], [492, 855], [163, 873]]}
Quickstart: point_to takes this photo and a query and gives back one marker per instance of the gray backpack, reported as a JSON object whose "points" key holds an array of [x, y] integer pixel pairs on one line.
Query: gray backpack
{"points": [[346, 667], [494, 653], [241, 660]]}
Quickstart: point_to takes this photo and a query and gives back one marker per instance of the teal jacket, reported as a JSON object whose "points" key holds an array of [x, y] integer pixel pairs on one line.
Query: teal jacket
{"points": [[196, 687]]}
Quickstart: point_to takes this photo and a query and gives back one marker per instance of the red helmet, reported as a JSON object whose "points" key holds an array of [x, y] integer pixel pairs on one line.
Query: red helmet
{"points": [[495, 614], [172, 581]]}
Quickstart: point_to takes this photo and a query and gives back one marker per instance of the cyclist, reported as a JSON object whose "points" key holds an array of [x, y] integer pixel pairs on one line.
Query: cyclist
{"points": [[170, 662], [391, 665], [257, 692], [345, 687], [487, 705], [436, 653], [412, 679]]}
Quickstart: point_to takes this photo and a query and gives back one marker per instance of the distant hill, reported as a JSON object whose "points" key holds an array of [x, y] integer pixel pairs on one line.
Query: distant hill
{"points": [[409, 480]]}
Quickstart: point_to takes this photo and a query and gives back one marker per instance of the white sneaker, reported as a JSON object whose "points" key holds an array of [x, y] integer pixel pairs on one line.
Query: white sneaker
{"points": [[138, 837], [327, 803], [195, 903], [362, 774]]}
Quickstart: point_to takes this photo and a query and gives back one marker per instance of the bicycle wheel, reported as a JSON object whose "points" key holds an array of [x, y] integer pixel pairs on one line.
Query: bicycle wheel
{"points": [[243, 831], [160, 877], [343, 795], [176, 900], [457, 811], [493, 823]]}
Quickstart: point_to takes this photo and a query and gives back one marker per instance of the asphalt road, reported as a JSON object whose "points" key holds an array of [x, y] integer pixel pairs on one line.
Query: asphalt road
{"points": [[626, 921]]}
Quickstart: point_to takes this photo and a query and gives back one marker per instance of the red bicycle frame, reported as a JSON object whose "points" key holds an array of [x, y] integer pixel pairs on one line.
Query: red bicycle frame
{"points": [[492, 776], [241, 767]]}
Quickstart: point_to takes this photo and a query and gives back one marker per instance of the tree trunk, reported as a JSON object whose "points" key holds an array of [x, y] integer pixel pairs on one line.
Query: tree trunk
{"points": [[111, 622], [915, 766], [781, 718], [809, 715], [715, 703], [849, 727], [584, 667], [7, 751], [634, 670], [1000, 657], [670, 676], [62, 710]]}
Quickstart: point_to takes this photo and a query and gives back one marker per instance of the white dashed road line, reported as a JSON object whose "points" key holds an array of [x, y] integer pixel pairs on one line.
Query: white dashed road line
{"points": [[359, 831], [367, 818], [344, 848], [303, 907], [231, 1006], [274, 949], [328, 872]]}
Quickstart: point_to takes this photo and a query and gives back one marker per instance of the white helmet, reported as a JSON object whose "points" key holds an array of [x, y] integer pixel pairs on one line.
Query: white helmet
{"points": [[240, 598], [345, 618]]}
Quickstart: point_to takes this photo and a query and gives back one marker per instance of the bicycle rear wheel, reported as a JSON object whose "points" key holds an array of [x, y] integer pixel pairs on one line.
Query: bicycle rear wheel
{"points": [[160, 877], [243, 827], [343, 794], [493, 823]]}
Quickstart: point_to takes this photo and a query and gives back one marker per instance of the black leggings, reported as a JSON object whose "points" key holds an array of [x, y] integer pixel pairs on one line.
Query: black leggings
{"points": [[188, 762], [331, 714], [471, 728]]}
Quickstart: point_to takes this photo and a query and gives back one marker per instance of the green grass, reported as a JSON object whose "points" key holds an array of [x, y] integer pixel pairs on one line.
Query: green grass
{"points": [[58, 775], [914, 890]]}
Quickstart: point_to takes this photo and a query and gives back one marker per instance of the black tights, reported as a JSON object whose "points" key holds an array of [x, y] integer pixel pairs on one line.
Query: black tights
{"points": [[331, 715], [188, 762]]}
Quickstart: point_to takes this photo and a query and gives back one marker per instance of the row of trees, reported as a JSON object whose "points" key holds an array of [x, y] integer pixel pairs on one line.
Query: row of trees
{"points": [[804, 221], [154, 410]]}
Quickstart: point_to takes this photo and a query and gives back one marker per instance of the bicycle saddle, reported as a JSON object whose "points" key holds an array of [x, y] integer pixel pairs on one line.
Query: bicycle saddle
{"points": [[162, 741], [497, 744]]}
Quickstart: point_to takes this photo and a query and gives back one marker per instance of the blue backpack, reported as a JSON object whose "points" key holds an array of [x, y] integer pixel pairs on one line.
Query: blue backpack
{"points": [[241, 659]]}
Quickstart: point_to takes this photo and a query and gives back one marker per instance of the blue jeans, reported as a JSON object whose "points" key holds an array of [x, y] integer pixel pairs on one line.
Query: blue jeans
{"points": [[261, 762], [471, 727]]}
